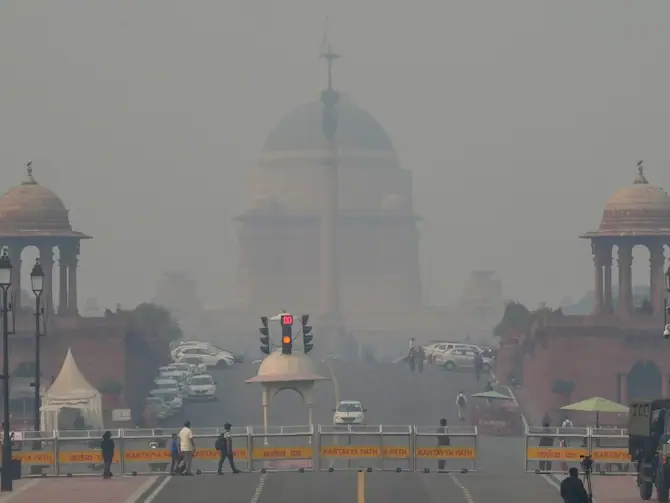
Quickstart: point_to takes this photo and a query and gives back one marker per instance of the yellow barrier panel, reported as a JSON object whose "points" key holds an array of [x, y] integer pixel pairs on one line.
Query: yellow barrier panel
{"points": [[613, 455], [283, 453], [445, 452], [164, 454], [555, 453], [34, 457], [72, 457], [357, 451]]}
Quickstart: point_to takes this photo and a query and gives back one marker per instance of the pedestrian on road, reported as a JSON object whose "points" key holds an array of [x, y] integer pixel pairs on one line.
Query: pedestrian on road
{"points": [[572, 488], [546, 441], [462, 404], [187, 447], [478, 363], [411, 358], [174, 454], [442, 441], [224, 445], [420, 357], [107, 448]]}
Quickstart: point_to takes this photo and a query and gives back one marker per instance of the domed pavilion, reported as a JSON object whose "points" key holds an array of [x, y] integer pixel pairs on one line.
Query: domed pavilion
{"points": [[32, 215], [635, 215], [377, 244]]}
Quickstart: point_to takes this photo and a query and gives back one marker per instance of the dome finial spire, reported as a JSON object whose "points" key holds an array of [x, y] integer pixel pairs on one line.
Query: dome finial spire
{"points": [[29, 172], [329, 96], [640, 179]]}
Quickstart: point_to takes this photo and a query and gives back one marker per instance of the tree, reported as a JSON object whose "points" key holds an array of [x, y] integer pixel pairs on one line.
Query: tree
{"points": [[154, 321]]}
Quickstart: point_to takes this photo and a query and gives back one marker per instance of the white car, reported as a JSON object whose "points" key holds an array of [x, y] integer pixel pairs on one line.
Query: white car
{"points": [[161, 409], [209, 357], [349, 412], [176, 350], [168, 372], [462, 359], [168, 390], [201, 387], [439, 348], [194, 363]]}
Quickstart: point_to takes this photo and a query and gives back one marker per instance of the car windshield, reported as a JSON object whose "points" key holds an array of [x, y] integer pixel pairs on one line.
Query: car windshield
{"points": [[349, 407], [201, 381]]}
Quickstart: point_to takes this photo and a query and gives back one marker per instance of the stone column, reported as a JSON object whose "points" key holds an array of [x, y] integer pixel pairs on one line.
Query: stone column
{"points": [[625, 261], [47, 260], [73, 298], [598, 265], [14, 252], [657, 277], [607, 267], [62, 282]]}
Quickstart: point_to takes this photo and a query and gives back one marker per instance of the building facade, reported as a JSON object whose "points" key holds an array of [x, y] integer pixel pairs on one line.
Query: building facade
{"points": [[617, 352], [377, 246]]}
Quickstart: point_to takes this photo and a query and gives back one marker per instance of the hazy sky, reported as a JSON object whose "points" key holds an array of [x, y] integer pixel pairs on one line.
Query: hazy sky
{"points": [[518, 119]]}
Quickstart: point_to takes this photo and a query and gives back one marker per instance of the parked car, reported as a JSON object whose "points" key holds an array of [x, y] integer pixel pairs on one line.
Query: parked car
{"points": [[169, 391], [208, 356], [462, 359], [201, 387], [158, 407]]}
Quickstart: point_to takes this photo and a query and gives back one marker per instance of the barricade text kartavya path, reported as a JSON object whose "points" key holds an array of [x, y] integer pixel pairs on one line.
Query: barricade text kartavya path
{"points": [[360, 451], [446, 452]]}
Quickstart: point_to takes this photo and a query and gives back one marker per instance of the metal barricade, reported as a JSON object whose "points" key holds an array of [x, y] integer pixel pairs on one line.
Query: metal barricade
{"points": [[609, 451], [37, 453], [78, 452], [281, 448], [376, 447], [450, 448], [555, 450]]}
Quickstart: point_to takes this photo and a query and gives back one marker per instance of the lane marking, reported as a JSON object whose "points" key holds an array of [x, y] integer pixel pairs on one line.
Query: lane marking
{"points": [[360, 487], [464, 490], [160, 487], [259, 488], [10, 496], [146, 485]]}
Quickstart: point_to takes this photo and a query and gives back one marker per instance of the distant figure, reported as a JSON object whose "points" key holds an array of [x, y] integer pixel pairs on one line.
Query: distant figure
{"points": [[107, 448], [546, 441], [462, 404], [224, 445], [420, 358], [442, 441], [79, 423], [567, 423], [187, 447], [488, 387], [411, 359], [478, 363]]}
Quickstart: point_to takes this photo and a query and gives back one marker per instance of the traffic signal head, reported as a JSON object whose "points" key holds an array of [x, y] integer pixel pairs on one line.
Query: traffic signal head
{"points": [[307, 335], [265, 335], [286, 337]]}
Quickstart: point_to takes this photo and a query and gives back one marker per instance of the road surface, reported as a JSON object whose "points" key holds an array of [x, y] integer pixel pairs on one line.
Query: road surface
{"points": [[392, 396]]}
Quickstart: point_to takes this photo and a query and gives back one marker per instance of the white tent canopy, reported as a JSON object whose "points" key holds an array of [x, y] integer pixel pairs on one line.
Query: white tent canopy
{"points": [[71, 390]]}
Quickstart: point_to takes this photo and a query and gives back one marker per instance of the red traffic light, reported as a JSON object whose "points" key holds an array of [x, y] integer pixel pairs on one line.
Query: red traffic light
{"points": [[287, 319]]}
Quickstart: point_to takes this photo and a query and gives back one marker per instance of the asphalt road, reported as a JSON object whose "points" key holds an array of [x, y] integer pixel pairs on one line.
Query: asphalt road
{"points": [[392, 396]]}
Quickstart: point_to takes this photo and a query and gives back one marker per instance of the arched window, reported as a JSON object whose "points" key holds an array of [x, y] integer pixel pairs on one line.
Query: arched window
{"points": [[644, 381]]}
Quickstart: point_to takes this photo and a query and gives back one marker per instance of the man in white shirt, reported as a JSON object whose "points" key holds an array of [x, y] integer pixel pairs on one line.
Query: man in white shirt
{"points": [[187, 446], [461, 403]]}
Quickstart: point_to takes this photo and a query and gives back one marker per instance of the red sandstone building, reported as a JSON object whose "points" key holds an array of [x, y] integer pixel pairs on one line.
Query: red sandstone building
{"points": [[618, 351], [105, 350]]}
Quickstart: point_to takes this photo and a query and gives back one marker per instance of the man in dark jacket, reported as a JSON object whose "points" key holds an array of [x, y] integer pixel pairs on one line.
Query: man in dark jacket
{"points": [[224, 445], [107, 448], [572, 489]]}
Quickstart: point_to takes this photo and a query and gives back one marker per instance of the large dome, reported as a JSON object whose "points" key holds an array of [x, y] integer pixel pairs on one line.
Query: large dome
{"points": [[30, 207], [639, 209], [301, 129]]}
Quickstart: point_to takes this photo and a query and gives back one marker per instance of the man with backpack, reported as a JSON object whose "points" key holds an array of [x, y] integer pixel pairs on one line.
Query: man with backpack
{"points": [[224, 444], [461, 403]]}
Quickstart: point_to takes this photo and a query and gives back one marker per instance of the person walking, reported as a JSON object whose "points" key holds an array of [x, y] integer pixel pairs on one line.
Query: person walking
{"points": [[224, 445], [442, 441], [420, 358], [107, 450], [572, 488], [187, 447], [462, 404]]}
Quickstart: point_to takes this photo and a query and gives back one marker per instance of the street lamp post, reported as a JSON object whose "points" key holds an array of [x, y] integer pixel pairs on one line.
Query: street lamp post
{"points": [[5, 282], [666, 327], [37, 285]]}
